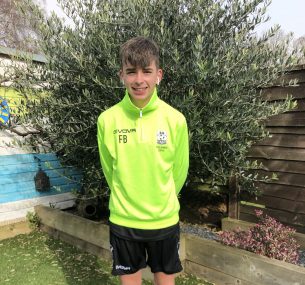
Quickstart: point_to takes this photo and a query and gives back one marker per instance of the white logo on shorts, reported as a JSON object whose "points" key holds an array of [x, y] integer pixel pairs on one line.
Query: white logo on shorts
{"points": [[122, 267]]}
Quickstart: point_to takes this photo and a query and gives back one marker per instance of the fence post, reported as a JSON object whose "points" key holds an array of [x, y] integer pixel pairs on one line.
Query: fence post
{"points": [[233, 203]]}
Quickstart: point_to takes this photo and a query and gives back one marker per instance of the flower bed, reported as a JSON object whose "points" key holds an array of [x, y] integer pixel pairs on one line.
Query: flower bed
{"points": [[268, 237]]}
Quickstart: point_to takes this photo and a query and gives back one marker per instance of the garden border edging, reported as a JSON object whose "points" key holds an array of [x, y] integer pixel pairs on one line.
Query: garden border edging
{"points": [[204, 258]]}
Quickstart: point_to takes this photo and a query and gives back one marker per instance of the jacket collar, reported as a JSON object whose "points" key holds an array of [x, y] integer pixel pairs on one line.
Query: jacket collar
{"points": [[131, 108]]}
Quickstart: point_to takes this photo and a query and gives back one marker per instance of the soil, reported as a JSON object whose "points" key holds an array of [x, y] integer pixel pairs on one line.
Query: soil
{"points": [[202, 208], [196, 207]]}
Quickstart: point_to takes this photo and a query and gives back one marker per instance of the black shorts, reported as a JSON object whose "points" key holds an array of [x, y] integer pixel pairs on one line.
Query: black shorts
{"points": [[129, 256]]}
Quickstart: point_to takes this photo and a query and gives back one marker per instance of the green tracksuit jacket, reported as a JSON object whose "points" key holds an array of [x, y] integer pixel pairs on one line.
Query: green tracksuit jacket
{"points": [[145, 156]]}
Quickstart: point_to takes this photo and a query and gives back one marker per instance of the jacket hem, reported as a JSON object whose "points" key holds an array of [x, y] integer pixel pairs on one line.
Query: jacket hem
{"points": [[144, 224]]}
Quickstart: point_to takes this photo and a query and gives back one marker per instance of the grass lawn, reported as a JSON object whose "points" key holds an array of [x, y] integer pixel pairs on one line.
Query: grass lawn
{"points": [[37, 259]]}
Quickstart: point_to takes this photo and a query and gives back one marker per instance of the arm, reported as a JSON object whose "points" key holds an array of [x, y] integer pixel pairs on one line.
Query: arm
{"points": [[105, 157], [181, 160]]}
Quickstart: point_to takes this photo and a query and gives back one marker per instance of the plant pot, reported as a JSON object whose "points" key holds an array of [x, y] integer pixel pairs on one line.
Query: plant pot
{"points": [[88, 207]]}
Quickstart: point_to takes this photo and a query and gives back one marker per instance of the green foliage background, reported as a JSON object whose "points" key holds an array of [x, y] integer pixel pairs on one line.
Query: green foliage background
{"points": [[214, 66]]}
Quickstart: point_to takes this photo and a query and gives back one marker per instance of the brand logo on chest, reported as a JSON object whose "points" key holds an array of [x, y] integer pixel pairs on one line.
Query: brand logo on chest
{"points": [[124, 131], [123, 134], [161, 137]]}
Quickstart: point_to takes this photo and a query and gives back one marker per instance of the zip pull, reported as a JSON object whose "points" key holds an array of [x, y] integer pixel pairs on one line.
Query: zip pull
{"points": [[141, 113]]}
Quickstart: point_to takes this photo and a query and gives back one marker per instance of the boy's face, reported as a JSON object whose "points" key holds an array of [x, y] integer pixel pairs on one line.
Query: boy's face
{"points": [[140, 82]]}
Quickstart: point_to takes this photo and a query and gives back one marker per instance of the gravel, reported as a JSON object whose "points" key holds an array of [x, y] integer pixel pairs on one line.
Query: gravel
{"points": [[301, 258], [202, 232], [207, 233]]}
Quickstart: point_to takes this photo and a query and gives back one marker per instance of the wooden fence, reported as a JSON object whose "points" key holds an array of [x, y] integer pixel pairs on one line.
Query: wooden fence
{"points": [[284, 155]]}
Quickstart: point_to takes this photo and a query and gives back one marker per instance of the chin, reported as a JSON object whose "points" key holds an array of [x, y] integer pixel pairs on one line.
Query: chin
{"points": [[140, 97]]}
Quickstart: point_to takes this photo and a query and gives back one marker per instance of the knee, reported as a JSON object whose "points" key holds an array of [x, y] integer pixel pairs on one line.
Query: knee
{"points": [[161, 278], [132, 279]]}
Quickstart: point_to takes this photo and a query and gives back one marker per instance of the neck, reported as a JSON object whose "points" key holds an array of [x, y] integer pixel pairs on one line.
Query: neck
{"points": [[140, 103]]}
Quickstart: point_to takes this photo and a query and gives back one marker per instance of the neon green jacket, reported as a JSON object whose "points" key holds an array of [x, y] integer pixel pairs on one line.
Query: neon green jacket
{"points": [[145, 156]]}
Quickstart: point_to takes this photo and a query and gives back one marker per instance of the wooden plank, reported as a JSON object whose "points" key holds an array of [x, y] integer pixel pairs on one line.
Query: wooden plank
{"points": [[286, 130], [242, 264], [30, 193], [284, 140], [284, 178], [30, 185], [248, 217], [26, 158], [16, 185], [287, 119], [282, 216], [212, 275], [79, 243], [280, 93], [26, 167], [282, 191], [233, 207], [279, 153], [297, 67], [28, 176], [252, 219], [18, 205], [274, 165], [20, 171], [87, 230], [298, 75], [17, 210], [18, 214], [277, 203], [300, 106]]}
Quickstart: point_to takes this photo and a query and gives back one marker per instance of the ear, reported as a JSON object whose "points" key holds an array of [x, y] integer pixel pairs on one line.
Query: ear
{"points": [[160, 76], [120, 73]]}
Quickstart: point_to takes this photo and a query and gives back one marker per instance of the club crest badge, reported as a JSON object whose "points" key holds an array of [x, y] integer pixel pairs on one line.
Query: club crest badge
{"points": [[161, 137]]}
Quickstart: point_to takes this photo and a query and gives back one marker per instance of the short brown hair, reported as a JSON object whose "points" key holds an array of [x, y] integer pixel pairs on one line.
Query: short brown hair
{"points": [[139, 51]]}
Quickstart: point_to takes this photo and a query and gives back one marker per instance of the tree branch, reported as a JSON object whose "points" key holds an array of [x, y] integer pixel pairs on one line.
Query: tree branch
{"points": [[22, 130]]}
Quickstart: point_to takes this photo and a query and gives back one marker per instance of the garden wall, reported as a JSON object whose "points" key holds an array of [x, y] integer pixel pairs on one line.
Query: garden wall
{"points": [[19, 165], [284, 155]]}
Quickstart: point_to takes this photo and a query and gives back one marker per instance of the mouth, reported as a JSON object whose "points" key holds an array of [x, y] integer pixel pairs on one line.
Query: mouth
{"points": [[139, 88], [139, 91]]}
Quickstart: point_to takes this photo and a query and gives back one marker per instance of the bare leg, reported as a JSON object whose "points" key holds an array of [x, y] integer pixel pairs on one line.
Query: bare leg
{"points": [[161, 278], [132, 279]]}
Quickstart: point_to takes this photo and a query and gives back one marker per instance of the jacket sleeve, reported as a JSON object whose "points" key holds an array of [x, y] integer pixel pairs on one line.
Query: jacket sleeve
{"points": [[181, 160], [105, 157]]}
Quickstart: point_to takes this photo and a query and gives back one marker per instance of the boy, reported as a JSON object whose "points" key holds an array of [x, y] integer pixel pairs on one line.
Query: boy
{"points": [[143, 145]]}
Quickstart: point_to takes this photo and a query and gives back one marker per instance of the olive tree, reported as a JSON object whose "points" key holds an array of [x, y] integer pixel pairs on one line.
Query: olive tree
{"points": [[214, 68]]}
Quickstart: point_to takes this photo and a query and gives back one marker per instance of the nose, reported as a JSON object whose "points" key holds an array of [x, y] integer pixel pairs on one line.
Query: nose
{"points": [[139, 77]]}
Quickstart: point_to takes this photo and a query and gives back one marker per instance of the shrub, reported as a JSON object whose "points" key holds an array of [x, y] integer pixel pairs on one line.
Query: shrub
{"points": [[214, 66], [33, 220], [268, 237]]}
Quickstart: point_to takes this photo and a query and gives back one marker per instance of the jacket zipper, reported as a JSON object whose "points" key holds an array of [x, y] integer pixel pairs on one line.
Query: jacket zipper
{"points": [[140, 123]]}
